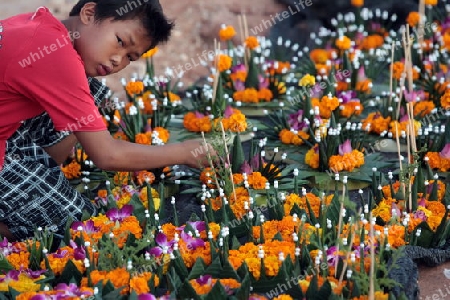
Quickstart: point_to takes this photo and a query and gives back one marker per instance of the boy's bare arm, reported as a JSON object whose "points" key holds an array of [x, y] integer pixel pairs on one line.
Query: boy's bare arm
{"points": [[110, 154], [61, 150]]}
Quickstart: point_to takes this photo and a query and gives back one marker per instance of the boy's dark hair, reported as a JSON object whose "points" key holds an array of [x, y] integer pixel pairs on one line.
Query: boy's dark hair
{"points": [[149, 12]]}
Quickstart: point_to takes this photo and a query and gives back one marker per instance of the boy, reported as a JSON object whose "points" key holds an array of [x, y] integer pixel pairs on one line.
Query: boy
{"points": [[43, 89]]}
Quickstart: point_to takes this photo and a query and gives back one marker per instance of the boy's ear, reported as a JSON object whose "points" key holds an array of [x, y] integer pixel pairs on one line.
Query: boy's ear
{"points": [[87, 13]]}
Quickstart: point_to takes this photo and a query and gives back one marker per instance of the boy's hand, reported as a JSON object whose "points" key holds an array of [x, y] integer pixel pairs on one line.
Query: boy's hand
{"points": [[197, 153]]}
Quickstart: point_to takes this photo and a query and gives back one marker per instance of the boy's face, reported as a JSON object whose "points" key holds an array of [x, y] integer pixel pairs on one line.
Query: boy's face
{"points": [[108, 46]]}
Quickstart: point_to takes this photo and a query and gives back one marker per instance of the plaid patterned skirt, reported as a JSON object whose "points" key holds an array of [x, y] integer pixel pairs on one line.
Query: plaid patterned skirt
{"points": [[33, 190]]}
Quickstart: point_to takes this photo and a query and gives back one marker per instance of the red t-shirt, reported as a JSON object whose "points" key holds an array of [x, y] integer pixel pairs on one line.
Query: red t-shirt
{"points": [[41, 71]]}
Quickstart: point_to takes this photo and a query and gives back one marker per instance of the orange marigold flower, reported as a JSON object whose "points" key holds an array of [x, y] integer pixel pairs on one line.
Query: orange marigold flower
{"points": [[445, 100], [351, 108], [357, 3], [207, 176], [120, 135], [143, 138], [238, 178], [413, 18], [150, 53], [376, 123], [251, 42], [372, 42], [145, 176], [197, 124], [343, 43], [223, 62], [226, 33], [398, 69], [364, 86], [236, 122], [139, 283], [249, 96], [431, 2], [257, 181], [319, 56], [346, 162], [163, 134], [121, 178], [72, 170], [19, 260], [265, 94], [134, 87], [423, 108], [330, 102], [288, 137]]}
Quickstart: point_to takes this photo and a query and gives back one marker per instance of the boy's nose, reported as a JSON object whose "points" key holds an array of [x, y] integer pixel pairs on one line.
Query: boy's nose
{"points": [[116, 60]]}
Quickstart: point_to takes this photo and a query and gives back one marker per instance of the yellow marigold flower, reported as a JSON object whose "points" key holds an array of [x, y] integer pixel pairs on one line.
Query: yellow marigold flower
{"points": [[24, 284], [134, 87], [312, 157], [121, 178], [358, 3], [343, 43], [226, 33], [251, 42], [383, 210], [150, 53], [413, 18], [307, 80], [223, 62]]}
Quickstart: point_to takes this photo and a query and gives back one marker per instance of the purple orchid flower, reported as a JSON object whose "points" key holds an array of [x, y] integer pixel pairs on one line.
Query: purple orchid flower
{"points": [[204, 280], [239, 85], [246, 168], [228, 112], [146, 297], [115, 214], [347, 96], [420, 214], [238, 68], [88, 227], [72, 290], [191, 242], [7, 248], [34, 274], [60, 253], [412, 96], [346, 147], [332, 256], [79, 253], [11, 275], [422, 202], [397, 210], [445, 153], [296, 121], [163, 247], [361, 74], [198, 114], [197, 225], [263, 82]]}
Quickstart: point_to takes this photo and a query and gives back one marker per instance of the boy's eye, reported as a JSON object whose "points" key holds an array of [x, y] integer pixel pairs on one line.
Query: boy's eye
{"points": [[130, 58], [119, 40]]}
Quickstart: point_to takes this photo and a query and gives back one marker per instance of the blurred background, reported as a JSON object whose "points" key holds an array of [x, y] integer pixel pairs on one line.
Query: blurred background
{"points": [[198, 23]]}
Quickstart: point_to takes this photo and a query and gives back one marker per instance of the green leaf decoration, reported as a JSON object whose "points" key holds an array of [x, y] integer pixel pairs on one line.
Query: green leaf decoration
{"points": [[218, 269], [235, 244], [198, 269], [187, 292], [217, 292], [13, 292], [314, 293], [5, 266], [70, 271], [138, 207], [243, 292], [252, 76], [238, 156], [426, 236]]}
